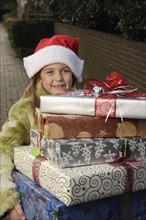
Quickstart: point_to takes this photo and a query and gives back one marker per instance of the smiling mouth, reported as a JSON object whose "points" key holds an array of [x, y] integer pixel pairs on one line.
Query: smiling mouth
{"points": [[58, 86]]}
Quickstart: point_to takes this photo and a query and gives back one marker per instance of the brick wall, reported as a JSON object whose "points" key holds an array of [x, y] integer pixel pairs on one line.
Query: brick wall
{"points": [[105, 52]]}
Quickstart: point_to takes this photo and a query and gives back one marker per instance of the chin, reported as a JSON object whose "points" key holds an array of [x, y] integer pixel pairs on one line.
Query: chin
{"points": [[58, 91]]}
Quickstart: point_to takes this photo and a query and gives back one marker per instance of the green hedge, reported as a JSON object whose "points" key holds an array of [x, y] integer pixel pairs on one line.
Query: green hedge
{"points": [[2, 12], [125, 18], [27, 33]]}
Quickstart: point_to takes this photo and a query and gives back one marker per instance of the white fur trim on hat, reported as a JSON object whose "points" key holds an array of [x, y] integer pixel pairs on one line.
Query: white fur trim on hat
{"points": [[53, 54]]}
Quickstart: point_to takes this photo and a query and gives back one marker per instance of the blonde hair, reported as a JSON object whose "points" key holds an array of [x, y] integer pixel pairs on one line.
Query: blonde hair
{"points": [[31, 92]]}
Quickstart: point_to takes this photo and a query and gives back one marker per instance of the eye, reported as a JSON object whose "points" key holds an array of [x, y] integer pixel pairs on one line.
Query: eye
{"points": [[66, 70], [49, 72]]}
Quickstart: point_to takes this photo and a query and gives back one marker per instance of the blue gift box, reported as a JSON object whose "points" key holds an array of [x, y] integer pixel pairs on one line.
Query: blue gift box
{"points": [[39, 204]]}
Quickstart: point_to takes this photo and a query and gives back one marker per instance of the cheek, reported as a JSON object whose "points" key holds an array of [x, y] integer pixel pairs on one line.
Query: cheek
{"points": [[46, 83], [68, 84], [69, 80]]}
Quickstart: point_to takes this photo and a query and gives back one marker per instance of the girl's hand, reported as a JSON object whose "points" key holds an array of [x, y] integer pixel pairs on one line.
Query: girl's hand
{"points": [[17, 213]]}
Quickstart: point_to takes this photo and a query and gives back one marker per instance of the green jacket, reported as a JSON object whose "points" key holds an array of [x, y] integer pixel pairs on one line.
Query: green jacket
{"points": [[15, 132]]}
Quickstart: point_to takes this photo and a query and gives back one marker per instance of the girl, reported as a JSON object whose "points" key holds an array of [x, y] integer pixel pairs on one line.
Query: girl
{"points": [[53, 68]]}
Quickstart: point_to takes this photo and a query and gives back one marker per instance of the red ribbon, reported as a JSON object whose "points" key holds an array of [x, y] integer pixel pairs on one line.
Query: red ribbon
{"points": [[36, 168], [113, 82], [129, 174], [114, 86], [104, 105], [114, 79]]}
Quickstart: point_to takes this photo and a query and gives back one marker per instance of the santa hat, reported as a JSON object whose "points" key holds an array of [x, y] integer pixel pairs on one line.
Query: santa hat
{"points": [[57, 49]]}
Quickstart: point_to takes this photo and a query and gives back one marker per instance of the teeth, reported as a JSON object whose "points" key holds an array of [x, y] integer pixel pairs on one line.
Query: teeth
{"points": [[59, 85]]}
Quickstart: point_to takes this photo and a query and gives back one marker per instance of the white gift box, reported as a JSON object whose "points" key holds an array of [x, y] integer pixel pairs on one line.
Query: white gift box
{"points": [[81, 184], [99, 107]]}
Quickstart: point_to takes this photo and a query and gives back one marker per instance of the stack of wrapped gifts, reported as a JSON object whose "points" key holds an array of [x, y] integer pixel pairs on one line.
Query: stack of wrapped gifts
{"points": [[87, 157]]}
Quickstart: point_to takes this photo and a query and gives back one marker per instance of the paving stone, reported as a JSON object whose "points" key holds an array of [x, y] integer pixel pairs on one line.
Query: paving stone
{"points": [[13, 78]]}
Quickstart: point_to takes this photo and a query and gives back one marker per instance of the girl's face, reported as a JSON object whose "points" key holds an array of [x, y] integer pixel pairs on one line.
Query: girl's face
{"points": [[56, 78]]}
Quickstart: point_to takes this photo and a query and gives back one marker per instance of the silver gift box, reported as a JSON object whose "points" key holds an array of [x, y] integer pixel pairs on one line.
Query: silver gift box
{"points": [[100, 107], [77, 152]]}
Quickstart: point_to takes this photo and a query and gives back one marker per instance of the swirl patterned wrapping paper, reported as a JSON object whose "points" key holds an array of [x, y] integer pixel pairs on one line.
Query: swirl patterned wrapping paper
{"points": [[77, 152], [82, 184]]}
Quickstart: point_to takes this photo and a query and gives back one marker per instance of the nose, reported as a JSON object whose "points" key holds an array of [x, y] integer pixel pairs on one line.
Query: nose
{"points": [[58, 76]]}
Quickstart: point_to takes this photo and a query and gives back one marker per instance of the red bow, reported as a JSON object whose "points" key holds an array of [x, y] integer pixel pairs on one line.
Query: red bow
{"points": [[114, 84]]}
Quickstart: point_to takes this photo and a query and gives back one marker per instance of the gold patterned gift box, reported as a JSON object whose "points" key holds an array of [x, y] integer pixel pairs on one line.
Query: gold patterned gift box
{"points": [[57, 126]]}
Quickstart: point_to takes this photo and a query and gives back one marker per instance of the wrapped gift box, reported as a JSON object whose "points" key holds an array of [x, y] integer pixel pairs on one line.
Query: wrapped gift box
{"points": [[81, 184], [100, 107], [79, 126], [78, 152], [39, 204]]}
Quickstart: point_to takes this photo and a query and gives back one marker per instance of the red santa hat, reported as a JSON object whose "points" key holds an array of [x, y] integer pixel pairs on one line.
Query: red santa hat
{"points": [[57, 49]]}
